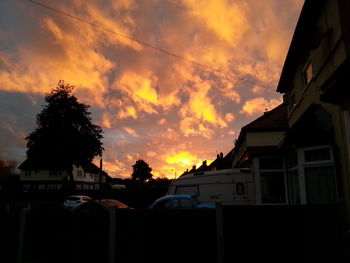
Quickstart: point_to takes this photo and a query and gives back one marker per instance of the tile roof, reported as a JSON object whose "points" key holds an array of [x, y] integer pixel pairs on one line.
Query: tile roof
{"points": [[275, 119]]}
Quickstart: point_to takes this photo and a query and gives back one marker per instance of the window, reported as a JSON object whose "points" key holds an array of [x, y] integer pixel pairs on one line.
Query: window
{"points": [[165, 204], [320, 185], [270, 163], [312, 178], [315, 155], [293, 160], [26, 187], [307, 72], [185, 203], [54, 187], [290, 99], [27, 172], [270, 180], [272, 187], [79, 173], [240, 189], [54, 173]]}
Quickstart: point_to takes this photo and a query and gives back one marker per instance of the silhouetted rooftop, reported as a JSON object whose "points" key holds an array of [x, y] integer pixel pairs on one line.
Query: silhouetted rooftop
{"points": [[35, 164], [275, 119]]}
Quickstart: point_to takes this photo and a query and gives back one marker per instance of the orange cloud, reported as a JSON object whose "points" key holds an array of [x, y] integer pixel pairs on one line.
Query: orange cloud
{"points": [[106, 120], [257, 106], [131, 131], [229, 117], [227, 20], [172, 109], [199, 115], [183, 159]]}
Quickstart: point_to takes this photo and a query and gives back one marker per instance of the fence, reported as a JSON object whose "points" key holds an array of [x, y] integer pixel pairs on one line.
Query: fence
{"points": [[227, 234]]}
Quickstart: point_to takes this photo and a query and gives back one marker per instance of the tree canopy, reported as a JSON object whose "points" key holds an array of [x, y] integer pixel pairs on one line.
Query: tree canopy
{"points": [[141, 171], [7, 171], [64, 131]]}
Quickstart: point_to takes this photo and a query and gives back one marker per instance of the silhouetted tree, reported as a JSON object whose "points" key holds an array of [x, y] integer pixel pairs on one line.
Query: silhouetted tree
{"points": [[141, 171], [7, 172], [64, 132]]}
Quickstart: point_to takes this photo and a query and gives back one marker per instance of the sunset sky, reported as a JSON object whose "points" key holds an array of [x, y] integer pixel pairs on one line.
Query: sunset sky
{"points": [[155, 106]]}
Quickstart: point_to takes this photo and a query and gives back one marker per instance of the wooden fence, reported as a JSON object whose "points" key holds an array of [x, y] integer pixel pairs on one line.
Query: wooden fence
{"points": [[227, 234]]}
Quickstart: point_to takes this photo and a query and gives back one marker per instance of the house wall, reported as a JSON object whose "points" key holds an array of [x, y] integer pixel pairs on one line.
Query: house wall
{"points": [[271, 138], [79, 175], [43, 175], [325, 59]]}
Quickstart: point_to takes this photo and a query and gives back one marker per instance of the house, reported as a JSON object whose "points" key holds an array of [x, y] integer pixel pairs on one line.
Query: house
{"points": [[220, 163], [257, 148], [314, 84], [54, 176]]}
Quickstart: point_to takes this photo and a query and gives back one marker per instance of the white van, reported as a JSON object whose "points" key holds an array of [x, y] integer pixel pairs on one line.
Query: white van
{"points": [[229, 186]]}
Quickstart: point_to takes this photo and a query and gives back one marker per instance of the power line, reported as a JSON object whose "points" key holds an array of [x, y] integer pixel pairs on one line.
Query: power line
{"points": [[148, 45]]}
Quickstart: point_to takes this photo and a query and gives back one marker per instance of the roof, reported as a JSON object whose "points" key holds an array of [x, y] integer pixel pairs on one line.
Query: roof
{"points": [[38, 164], [275, 119], [92, 168], [302, 36], [203, 167], [35, 164], [222, 162]]}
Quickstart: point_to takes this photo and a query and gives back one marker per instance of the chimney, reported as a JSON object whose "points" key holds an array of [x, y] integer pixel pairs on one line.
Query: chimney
{"points": [[205, 162], [221, 155], [194, 167]]}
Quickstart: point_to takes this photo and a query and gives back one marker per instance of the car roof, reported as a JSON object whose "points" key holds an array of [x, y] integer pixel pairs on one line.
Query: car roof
{"points": [[168, 197]]}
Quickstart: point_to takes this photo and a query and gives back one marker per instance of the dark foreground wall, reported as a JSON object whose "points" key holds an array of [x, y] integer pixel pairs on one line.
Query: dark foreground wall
{"points": [[230, 234]]}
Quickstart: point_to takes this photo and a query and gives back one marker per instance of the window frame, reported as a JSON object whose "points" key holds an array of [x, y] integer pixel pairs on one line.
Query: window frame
{"points": [[307, 68], [302, 165]]}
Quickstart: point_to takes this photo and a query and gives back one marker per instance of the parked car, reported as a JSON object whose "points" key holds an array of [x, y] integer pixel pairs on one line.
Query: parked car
{"points": [[72, 202], [112, 203], [179, 201]]}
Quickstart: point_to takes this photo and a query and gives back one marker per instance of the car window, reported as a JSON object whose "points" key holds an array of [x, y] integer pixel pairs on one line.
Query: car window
{"points": [[185, 203], [176, 203], [164, 204]]}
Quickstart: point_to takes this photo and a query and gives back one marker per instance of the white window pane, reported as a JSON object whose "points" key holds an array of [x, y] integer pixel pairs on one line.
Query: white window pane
{"points": [[320, 185]]}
